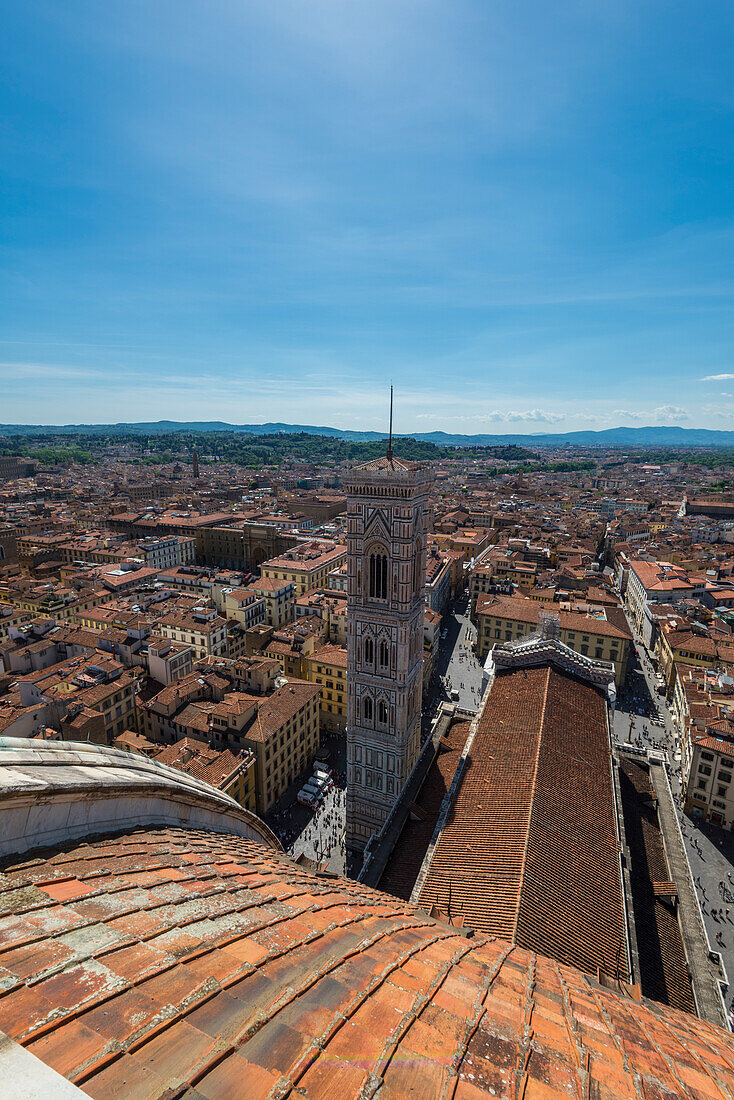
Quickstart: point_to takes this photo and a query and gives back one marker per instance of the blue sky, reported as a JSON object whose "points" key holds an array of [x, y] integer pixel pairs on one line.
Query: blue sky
{"points": [[520, 213]]}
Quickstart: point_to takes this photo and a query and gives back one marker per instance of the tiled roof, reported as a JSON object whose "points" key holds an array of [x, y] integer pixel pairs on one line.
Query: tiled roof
{"points": [[330, 655], [663, 968], [529, 850], [184, 963], [388, 464], [210, 765], [660, 576], [527, 611], [407, 857]]}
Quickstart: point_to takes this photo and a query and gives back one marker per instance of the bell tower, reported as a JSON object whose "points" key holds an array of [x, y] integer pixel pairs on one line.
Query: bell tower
{"points": [[387, 514]]}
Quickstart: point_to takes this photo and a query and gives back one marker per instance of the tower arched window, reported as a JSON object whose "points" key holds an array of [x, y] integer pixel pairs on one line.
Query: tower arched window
{"points": [[382, 712], [369, 651], [384, 654], [418, 580], [367, 708], [378, 575]]}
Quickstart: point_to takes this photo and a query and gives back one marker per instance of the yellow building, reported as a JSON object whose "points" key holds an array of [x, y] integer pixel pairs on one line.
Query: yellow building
{"points": [[307, 565], [685, 647], [604, 635], [519, 572], [327, 667]]}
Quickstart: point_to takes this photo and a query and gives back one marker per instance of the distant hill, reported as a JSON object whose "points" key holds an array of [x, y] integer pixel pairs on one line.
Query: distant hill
{"points": [[610, 437]]}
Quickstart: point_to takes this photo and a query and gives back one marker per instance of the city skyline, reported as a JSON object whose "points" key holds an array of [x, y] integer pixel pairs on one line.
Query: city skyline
{"points": [[269, 213]]}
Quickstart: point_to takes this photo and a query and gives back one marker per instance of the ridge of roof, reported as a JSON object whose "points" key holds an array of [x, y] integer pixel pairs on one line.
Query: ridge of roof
{"points": [[531, 800]]}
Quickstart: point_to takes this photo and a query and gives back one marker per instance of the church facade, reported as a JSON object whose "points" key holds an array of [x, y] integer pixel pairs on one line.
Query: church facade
{"points": [[387, 519]]}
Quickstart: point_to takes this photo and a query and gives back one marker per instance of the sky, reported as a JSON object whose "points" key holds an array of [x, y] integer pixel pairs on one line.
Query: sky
{"points": [[519, 213]]}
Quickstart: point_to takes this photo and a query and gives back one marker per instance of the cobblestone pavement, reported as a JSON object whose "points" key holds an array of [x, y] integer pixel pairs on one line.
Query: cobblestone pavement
{"points": [[319, 833], [457, 668], [710, 850], [323, 836]]}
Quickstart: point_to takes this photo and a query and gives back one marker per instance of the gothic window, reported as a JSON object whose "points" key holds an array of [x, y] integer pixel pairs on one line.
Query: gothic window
{"points": [[382, 712], [378, 576], [384, 654], [417, 579], [367, 708], [369, 654]]}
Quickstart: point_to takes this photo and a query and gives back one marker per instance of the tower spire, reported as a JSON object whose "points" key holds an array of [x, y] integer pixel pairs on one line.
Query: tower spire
{"points": [[389, 442]]}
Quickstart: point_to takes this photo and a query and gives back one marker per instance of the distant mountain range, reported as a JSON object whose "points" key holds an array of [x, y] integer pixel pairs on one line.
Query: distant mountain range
{"points": [[610, 437]]}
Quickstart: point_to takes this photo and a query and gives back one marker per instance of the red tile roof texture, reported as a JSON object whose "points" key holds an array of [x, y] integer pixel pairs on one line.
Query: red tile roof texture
{"points": [[167, 960], [663, 968], [403, 867], [530, 846]]}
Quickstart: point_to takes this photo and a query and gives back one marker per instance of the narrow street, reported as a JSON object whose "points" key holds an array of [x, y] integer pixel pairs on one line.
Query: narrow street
{"points": [[643, 718], [458, 669]]}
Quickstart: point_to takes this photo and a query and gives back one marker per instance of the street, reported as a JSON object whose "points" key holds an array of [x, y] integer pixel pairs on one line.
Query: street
{"points": [[319, 833], [457, 668], [642, 717]]}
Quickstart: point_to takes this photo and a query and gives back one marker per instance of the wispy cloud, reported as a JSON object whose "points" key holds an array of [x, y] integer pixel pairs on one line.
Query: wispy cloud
{"points": [[13, 370], [383, 191], [663, 413]]}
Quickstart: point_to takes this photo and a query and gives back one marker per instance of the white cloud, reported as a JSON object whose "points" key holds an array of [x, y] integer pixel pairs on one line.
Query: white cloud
{"points": [[19, 370], [669, 412], [716, 378], [625, 414], [539, 416]]}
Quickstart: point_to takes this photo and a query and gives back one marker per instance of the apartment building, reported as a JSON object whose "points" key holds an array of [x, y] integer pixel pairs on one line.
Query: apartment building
{"points": [[168, 551], [168, 661], [202, 628], [278, 596], [688, 647], [280, 727], [233, 773], [707, 765], [327, 667], [438, 582], [655, 582], [285, 738], [94, 684], [244, 606], [603, 634], [306, 565]]}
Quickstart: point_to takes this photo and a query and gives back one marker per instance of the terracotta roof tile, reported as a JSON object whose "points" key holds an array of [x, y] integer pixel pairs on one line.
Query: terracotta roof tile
{"points": [[246, 973], [529, 850]]}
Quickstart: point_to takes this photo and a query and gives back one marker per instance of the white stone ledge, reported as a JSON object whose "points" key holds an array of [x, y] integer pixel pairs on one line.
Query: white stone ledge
{"points": [[60, 791]]}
